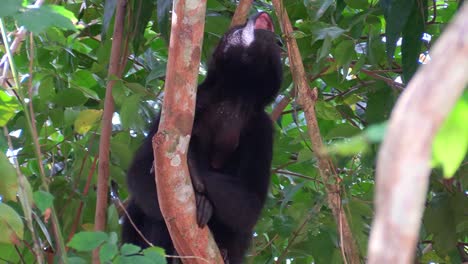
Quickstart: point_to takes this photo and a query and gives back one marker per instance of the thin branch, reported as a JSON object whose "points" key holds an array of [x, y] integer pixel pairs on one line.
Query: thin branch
{"points": [[307, 99], [115, 67]]}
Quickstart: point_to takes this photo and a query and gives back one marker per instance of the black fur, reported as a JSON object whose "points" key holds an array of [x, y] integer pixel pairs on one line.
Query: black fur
{"points": [[231, 147]]}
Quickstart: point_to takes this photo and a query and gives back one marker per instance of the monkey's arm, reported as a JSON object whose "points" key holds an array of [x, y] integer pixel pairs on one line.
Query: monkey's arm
{"points": [[238, 199]]}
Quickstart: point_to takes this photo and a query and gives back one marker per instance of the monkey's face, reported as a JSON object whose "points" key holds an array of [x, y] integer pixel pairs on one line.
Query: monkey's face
{"points": [[250, 46]]}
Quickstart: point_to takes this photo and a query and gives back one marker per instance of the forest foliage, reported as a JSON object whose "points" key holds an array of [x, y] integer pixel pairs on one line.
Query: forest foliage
{"points": [[359, 54]]}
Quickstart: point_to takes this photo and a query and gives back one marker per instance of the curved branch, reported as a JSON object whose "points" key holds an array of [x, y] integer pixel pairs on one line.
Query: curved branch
{"points": [[403, 165]]}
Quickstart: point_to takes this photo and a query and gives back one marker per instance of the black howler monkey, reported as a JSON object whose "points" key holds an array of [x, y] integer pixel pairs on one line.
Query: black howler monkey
{"points": [[230, 150]]}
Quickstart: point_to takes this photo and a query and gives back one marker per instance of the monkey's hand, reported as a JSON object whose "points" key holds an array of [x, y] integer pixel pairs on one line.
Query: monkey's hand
{"points": [[224, 254], [204, 209]]}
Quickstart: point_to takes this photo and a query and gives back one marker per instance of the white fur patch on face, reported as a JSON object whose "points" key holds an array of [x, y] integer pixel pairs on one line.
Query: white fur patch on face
{"points": [[242, 37]]}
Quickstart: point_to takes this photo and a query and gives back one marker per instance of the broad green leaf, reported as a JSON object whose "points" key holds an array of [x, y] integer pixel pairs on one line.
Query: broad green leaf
{"points": [[87, 241], [43, 200], [396, 14], [357, 4], [156, 73], [321, 31], [11, 225], [144, 11], [76, 260], [349, 147], [129, 113], [8, 107], [37, 20], [70, 97], [317, 8], [375, 133], [326, 111], [379, 103], [129, 249], [109, 9], [451, 143], [10, 7], [342, 131], [325, 49], [157, 254], [9, 179], [439, 221], [86, 120], [411, 43], [85, 81], [163, 11], [107, 252], [47, 89], [344, 52]]}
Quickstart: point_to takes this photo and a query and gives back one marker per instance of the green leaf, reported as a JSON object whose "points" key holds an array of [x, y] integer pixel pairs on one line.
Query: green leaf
{"points": [[10, 7], [411, 43], [326, 111], [11, 226], [47, 89], [439, 220], [375, 133], [9, 180], [344, 52], [357, 4], [343, 131], [76, 260], [70, 97], [84, 81], [109, 9], [87, 241], [107, 252], [129, 113], [317, 8], [349, 147], [8, 107], [86, 119], [396, 14], [321, 31], [163, 11], [43, 200], [451, 143], [37, 20], [141, 19], [157, 254], [129, 249]]}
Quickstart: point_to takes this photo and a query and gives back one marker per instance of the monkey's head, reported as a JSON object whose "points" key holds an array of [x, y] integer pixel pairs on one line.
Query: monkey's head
{"points": [[249, 56]]}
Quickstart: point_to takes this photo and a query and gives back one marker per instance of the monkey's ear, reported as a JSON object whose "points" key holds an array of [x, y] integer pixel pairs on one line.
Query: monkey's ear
{"points": [[263, 21]]}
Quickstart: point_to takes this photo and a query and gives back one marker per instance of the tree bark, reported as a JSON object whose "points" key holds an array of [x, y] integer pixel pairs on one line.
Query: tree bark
{"points": [[242, 11], [170, 144], [403, 165]]}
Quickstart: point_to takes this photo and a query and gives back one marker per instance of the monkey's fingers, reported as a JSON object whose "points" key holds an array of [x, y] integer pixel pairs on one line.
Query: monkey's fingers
{"points": [[204, 209], [224, 254]]}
